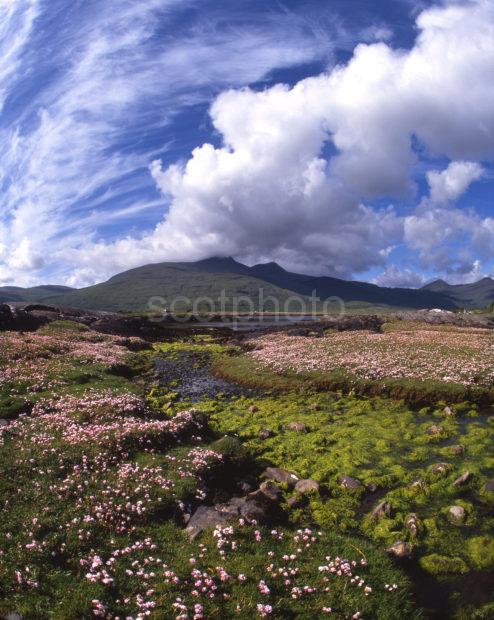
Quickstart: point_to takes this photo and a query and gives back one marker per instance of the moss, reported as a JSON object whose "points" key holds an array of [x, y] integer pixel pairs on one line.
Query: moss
{"points": [[436, 564], [481, 551], [232, 450], [381, 443], [56, 327], [485, 612]]}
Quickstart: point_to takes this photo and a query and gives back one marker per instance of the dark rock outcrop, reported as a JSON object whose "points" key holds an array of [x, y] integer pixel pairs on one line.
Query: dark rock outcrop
{"points": [[489, 486], [305, 487], [401, 550], [206, 517], [348, 482], [382, 510], [463, 479], [261, 506], [280, 475]]}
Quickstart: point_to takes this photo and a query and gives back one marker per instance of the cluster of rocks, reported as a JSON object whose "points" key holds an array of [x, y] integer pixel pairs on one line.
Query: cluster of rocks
{"points": [[25, 316], [446, 317], [368, 322], [262, 505], [456, 514]]}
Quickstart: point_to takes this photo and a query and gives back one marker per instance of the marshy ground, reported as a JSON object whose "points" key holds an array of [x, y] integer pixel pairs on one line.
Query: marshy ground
{"points": [[109, 445]]}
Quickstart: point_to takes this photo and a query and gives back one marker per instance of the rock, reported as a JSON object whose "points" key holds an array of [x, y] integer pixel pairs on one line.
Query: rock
{"points": [[457, 515], [457, 449], [448, 412], [298, 427], [271, 490], [12, 615], [256, 506], [371, 323], [382, 510], [307, 486], [265, 433], [463, 479], [280, 475], [206, 517], [440, 468], [412, 524], [15, 317], [253, 409], [418, 485], [400, 550], [135, 344], [261, 506], [3, 422], [348, 482], [435, 430], [294, 502], [489, 486], [245, 487]]}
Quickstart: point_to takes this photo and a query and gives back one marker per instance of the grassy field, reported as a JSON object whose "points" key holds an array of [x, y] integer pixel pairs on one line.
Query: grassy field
{"points": [[101, 464], [97, 474]]}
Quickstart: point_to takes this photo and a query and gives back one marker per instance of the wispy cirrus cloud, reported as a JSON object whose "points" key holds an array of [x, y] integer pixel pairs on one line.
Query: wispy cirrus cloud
{"points": [[85, 90]]}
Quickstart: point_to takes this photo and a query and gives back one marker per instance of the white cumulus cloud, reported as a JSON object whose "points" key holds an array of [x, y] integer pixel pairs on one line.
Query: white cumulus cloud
{"points": [[297, 168]]}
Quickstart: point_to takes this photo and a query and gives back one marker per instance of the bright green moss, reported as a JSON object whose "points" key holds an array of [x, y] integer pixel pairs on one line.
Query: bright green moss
{"points": [[436, 564], [481, 551], [56, 327], [382, 444]]}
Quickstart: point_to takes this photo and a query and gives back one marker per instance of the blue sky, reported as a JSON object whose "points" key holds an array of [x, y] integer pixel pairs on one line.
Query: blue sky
{"points": [[340, 137]]}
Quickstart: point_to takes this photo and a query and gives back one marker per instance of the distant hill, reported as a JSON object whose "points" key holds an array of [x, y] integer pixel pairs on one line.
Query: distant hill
{"points": [[35, 293], [476, 295], [132, 290]]}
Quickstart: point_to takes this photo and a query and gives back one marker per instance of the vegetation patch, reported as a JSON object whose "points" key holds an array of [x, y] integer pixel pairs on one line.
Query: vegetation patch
{"points": [[95, 489], [420, 363]]}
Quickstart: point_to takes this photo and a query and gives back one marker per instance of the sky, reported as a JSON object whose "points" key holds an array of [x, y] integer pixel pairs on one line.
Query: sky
{"points": [[338, 137]]}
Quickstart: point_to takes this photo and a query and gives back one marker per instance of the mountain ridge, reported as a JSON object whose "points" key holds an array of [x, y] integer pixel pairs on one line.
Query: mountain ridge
{"points": [[472, 295], [132, 289]]}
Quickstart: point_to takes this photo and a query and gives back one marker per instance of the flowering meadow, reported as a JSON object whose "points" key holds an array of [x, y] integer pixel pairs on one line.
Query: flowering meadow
{"points": [[403, 351], [51, 360], [96, 487]]}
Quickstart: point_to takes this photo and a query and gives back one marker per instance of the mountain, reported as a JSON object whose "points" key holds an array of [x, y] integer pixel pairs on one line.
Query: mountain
{"points": [[133, 290], [35, 293], [476, 295], [155, 286]]}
